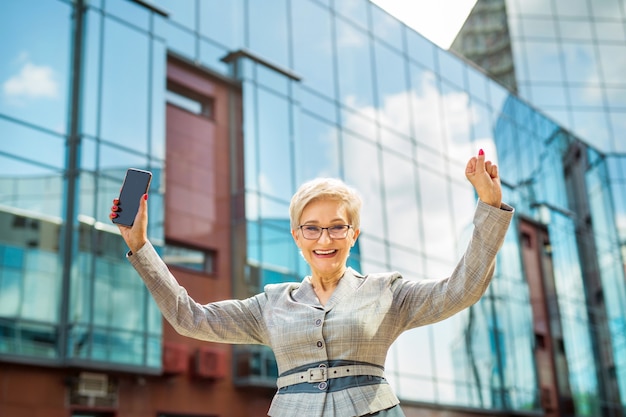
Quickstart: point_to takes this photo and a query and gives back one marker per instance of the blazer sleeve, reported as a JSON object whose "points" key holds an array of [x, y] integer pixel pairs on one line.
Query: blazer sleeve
{"points": [[418, 303], [229, 321]]}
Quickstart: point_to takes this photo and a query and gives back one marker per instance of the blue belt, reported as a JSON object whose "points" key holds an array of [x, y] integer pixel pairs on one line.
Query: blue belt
{"points": [[330, 377]]}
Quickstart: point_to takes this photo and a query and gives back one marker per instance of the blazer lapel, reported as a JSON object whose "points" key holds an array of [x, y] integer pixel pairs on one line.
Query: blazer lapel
{"points": [[305, 294], [350, 282]]}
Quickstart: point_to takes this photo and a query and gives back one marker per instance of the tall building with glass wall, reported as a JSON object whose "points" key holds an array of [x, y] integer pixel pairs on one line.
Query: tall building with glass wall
{"points": [[565, 57], [232, 105]]}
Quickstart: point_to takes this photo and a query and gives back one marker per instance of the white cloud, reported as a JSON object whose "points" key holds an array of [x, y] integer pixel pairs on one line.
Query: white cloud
{"points": [[450, 148], [32, 81]]}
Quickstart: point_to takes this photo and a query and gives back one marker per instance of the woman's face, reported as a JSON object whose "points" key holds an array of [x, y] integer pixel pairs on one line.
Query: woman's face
{"points": [[326, 256]]}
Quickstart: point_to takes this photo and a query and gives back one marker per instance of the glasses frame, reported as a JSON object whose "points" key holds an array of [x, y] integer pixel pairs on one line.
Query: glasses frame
{"points": [[348, 227]]}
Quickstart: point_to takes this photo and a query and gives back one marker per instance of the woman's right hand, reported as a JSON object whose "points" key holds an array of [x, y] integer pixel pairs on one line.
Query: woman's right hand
{"points": [[137, 235]]}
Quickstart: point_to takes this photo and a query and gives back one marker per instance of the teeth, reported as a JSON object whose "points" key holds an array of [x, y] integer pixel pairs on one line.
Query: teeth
{"points": [[324, 252]]}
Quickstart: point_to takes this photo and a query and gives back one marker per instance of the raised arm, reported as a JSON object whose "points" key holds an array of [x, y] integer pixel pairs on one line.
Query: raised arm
{"points": [[229, 321]]}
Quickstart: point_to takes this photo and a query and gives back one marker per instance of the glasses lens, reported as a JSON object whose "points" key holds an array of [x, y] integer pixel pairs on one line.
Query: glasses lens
{"points": [[338, 232], [311, 232]]}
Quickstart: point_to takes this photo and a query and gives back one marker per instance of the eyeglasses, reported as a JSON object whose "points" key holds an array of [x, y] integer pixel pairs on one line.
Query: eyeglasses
{"points": [[338, 231]]}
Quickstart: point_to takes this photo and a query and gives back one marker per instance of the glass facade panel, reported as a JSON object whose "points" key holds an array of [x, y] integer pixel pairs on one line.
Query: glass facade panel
{"points": [[179, 39], [416, 351], [183, 12], [125, 87], [477, 86], [391, 83], [312, 46], [356, 11], [223, 22], [540, 56], [92, 74], [367, 154], [573, 8], [386, 28], [354, 67], [426, 107], [319, 143], [612, 69], [421, 50], [451, 68], [32, 159], [399, 180], [574, 29], [607, 9], [538, 28], [457, 117], [130, 12], [33, 145], [211, 57], [610, 31], [269, 41], [34, 79], [275, 179], [313, 103]]}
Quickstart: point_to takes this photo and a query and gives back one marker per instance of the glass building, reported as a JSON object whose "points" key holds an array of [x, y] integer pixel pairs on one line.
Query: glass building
{"points": [[232, 105], [565, 57]]}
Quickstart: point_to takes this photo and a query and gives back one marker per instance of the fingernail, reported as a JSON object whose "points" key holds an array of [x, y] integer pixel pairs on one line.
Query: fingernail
{"points": [[481, 152], [113, 215], [116, 201], [114, 208], [145, 196]]}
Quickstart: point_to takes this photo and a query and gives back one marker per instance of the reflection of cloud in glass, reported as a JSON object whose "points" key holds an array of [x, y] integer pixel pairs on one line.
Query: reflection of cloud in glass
{"points": [[398, 179], [349, 37], [571, 8], [33, 81], [620, 219], [433, 230]]}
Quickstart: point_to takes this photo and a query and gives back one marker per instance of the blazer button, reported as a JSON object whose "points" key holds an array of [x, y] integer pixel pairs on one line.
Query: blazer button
{"points": [[319, 344], [318, 322]]}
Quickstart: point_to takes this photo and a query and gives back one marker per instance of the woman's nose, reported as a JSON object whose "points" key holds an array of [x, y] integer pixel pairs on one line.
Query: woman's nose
{"points": [[325, 236]]}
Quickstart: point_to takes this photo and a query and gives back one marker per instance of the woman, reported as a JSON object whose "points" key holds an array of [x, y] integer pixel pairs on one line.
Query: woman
{"points": [[330, 333]]}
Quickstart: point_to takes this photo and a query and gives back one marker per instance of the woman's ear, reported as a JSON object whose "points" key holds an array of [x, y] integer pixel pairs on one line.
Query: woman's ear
{"points": [[294, 234], [356, 234]]}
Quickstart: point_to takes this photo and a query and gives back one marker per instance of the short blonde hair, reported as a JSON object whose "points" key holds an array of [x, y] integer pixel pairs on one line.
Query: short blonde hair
{"points": [[326, 189]]}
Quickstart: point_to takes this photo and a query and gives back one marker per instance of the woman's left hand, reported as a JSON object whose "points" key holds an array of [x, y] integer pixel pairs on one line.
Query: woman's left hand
{"points": [[485, 178]]}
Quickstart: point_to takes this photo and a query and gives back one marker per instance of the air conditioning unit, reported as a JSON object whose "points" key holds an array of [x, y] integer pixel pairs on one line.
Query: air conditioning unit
{"points": [[93, 385], [175, 358], [209, 363]]}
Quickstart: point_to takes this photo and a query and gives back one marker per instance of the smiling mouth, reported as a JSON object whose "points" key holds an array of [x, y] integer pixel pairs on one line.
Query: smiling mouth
{"points": [[325, 252]]}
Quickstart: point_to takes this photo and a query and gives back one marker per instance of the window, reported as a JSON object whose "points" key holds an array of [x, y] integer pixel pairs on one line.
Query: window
{"points": [[189, 258], [189, 100]]}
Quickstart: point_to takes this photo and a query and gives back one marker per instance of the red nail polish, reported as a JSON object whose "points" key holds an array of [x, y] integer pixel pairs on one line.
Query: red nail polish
{"points": [[481, 152], [145, 196]]}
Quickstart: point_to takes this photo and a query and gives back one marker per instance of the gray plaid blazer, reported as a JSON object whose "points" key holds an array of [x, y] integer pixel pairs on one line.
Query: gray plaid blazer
{"points": [[358, 324]]}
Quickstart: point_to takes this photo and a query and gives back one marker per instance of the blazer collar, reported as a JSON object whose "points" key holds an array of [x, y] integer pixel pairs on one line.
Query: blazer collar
{"points": [[347, 285]]}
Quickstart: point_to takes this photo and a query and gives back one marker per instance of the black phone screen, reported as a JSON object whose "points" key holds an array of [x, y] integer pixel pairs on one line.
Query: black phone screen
{"points": [[136, 184]]}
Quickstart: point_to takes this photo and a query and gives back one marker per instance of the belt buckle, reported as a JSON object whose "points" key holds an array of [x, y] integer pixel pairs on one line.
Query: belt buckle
{"points": [[317, 374]]}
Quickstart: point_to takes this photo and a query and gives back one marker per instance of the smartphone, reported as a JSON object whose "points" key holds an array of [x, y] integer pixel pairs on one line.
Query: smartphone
{"points": [[136, 184]]}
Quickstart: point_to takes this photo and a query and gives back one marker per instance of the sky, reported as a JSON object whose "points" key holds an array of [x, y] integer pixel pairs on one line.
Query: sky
{"points": [[438, 20]]}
